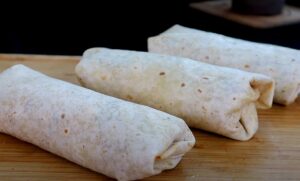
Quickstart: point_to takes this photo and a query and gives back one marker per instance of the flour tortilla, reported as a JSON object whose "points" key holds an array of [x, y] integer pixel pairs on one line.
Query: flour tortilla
{"points": [[280, 63], [216, 99], [120, 139]]}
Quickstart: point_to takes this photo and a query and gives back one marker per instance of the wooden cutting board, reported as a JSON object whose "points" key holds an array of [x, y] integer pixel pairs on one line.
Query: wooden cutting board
{"points": [[273, 154]]}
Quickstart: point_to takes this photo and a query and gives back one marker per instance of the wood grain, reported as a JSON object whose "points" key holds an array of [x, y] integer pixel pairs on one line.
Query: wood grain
{"points": [[273, 154], [221, 8]]}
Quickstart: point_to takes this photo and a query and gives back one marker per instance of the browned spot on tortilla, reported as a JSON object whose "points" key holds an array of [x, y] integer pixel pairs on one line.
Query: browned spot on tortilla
{"points": [[199, 90], [157, 158], [69, 74], [160, 107], [66, 131], [246, 66], [62, 116], [206, 57], [103, 77], [206, 78], [183, 84], [81, 81], [129, 97], [234, 98], [162, 73]]}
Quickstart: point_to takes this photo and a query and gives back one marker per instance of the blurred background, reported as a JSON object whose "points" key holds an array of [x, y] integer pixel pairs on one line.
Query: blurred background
{"points": [[71, 27]]}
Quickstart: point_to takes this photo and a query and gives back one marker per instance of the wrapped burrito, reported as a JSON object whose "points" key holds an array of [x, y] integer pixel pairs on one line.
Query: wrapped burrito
{"points": [[120, 139], [216, 99], [280, 63]]}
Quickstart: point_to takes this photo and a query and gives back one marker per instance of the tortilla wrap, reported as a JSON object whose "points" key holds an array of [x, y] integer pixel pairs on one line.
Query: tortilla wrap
{"points": [[216, 99], [117, 138], [280, 63]]}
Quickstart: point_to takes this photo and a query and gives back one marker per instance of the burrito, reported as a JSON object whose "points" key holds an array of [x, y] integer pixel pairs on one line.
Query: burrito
{"points": [[216, 99], [117, 138], [280, 63]]}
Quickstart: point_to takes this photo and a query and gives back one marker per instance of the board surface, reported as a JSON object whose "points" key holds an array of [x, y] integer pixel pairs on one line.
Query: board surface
{"points": [[273, 153], [221, 8]]}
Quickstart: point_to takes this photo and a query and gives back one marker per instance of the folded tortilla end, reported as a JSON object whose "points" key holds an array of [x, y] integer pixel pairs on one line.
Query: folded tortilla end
{"points": [[266, 87], [174, 153], [247, 124]]}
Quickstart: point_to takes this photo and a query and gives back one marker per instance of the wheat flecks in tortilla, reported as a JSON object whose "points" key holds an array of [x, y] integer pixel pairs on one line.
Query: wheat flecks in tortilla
{"points": [[280, 63], [120, 139], [217, 99]]}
